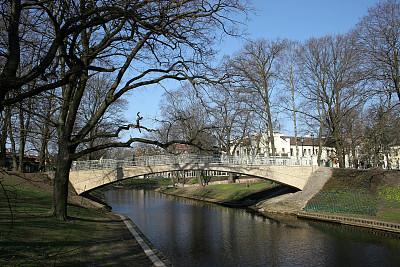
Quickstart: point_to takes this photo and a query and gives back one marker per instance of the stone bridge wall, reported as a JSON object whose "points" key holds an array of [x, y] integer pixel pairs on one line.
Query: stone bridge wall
{"points": [[294, 176]]}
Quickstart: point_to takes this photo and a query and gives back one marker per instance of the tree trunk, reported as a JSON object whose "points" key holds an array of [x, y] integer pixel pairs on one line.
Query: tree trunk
{"points": [[45, 138], [321, 125], [42, 153], [3, 141], [269, 121], [173, 179], [338, 146], [199, 178], [24, 126], [13, 149], [61, 179], [12, 141], [294, 118], [231, 179], [22, 138]]}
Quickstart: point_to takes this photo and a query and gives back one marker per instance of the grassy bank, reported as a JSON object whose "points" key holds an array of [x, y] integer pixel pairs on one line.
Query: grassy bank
{"points": [[221, 192], [151, 183], [30, 236], [372, 194]]}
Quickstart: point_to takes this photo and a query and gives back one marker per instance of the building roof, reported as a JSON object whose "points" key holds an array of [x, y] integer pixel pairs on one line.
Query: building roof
{"points": [[26, 156]]}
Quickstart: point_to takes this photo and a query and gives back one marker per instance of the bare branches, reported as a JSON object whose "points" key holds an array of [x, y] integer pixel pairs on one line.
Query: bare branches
{"points": [[377, 35]]}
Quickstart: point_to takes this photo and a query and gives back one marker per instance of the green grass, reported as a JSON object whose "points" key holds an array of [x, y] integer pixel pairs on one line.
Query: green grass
{"points": [[143, 183], [373, 194], [223, 192], [31, 236], [343, 201]]}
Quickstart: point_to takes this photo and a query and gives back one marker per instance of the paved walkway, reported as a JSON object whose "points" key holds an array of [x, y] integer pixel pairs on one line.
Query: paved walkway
{"points": [[295, 202]]}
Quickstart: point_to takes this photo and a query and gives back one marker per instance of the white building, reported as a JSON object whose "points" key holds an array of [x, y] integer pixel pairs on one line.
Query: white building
{"points": [[285, 146]]}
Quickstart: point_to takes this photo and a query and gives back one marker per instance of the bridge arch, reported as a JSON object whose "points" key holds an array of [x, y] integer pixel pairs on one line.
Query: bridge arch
{"points": [[294, 176]]}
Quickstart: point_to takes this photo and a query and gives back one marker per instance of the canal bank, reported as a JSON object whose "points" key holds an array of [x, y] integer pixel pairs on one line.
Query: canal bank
{"points": [[295, 203], [197, 233], [244, 194], [349, 220], [31, 236]]}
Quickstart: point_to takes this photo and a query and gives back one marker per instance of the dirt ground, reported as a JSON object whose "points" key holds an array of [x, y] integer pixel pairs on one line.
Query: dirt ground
{"points": [[115, 247]]}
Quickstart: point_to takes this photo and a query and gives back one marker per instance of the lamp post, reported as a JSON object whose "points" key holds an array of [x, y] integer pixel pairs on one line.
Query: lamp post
{"points": [[302, 146], [312, 138]]}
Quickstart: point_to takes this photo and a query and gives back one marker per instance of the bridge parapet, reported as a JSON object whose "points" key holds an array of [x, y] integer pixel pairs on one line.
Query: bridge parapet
{"points": [[110, 164]]}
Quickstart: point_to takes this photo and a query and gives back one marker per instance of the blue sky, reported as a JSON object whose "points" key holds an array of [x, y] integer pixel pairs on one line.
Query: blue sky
{"points": [[292, 19]]}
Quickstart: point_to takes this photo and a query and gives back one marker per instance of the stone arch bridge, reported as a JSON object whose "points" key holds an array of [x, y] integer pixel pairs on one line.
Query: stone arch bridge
{"points": [[87, 175]]}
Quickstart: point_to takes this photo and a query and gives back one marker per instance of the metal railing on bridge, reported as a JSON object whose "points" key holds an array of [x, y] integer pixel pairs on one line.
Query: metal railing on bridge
{"points": [[143, 161]]}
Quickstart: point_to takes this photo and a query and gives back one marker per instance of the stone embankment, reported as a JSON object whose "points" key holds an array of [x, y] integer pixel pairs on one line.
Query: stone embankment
{"points": [[293, 203], [385, 226]]}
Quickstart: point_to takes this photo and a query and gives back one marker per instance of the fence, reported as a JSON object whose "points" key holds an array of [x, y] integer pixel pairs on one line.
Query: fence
{"points": [[104, 164]]}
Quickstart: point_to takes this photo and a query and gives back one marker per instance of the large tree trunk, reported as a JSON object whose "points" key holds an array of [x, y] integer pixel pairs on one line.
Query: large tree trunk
{"points": [[61, 179], [269, 121], [338, 146], [3, 141]]}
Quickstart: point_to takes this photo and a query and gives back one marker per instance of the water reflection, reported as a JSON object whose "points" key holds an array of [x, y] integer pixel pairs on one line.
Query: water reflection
{"points": [[192, 233]]}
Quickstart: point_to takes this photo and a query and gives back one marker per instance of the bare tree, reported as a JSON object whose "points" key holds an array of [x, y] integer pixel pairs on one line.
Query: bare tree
{"points": [[186, 117], [45, 126], [332, 76], [147, 43], [381, 130], [30, 49], [93, 96], [289, 73], [378, 38], [232, 119], [353, 134], [255, 68]]}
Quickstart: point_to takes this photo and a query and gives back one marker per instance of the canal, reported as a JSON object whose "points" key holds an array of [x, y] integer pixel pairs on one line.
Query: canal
{"points": [[194, 233]]}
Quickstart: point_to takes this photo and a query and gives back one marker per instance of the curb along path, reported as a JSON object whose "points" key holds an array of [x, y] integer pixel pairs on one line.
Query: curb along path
{"points": [[144, 244]]}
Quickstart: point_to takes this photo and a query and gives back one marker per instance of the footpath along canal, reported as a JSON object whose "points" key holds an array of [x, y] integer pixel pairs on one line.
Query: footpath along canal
{"points": [[194, 233]]}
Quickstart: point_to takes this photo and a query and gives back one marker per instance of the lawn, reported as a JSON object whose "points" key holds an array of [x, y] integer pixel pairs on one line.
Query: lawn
{"points": [[373, 194], [31, 236], [222, 192]]}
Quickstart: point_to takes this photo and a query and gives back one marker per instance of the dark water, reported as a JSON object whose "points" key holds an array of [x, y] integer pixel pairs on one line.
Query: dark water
{"points": [[192, 233]]}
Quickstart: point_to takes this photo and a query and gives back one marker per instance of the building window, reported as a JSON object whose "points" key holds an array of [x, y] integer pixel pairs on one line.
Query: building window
{"points": [[291, 152]]}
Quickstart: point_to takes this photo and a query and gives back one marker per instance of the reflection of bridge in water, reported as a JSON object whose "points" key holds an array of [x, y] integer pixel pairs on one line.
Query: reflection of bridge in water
{"points": [[87, 175]]}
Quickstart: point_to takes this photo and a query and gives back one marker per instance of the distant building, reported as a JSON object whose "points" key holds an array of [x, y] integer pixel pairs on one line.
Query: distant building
{"points": [[181, 149], [30, 162], [394, 156], [285, 146]]}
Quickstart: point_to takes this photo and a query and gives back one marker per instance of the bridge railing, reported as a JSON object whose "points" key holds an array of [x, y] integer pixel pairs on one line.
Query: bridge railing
{"points": [[104, 164]]}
